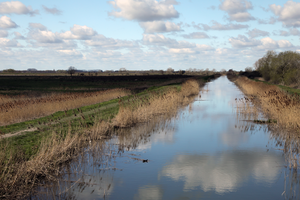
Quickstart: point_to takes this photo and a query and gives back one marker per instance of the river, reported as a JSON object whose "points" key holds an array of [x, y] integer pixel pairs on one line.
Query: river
{"points": [[206, 151]]}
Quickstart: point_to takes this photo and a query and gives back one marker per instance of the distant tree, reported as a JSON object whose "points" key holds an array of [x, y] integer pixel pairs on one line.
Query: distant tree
{"points": [[223, 71], [71, 70], [9, 70], [122, 69], [248, 69], [207, 71], [170, 70]]}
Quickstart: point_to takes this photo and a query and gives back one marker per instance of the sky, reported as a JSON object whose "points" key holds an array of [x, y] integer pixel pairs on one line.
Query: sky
{"points": [[145, 34]]}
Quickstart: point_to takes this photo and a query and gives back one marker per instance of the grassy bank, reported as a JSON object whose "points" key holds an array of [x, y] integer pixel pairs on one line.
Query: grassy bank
{"points": [[37, 155]]}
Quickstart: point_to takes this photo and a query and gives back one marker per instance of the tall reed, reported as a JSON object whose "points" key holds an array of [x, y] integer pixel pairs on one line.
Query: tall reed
{"points": [[283, 107], [22, 108], [143, 109]]}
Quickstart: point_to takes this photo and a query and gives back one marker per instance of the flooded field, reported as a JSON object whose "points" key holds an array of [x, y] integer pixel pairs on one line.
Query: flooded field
{"points": [[207, 151]]}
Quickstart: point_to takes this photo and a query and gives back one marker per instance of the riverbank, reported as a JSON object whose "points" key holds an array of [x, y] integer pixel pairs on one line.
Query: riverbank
{"points": [[38, 155], [282, 106]]}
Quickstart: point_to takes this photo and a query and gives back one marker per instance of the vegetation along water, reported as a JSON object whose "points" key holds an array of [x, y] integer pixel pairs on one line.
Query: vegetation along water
{"points": [[187, 137]]}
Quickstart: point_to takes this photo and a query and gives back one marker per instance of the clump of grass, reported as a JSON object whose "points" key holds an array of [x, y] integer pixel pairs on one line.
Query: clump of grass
{"points": [[279, 105], [20, 108]]}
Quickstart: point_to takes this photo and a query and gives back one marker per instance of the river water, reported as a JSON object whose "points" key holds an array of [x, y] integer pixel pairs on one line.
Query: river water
{"points": [[205, 152]]}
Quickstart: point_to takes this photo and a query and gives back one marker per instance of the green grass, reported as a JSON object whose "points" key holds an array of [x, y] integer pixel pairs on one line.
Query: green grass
{"points": [[287, 89]]}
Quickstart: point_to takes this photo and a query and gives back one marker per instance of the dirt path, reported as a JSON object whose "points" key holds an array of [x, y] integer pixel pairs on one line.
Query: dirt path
{"points": [[17, 133], [65, 119]]}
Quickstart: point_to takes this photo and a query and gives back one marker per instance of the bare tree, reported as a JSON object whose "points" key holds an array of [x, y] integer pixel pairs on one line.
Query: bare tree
{"points": [[71, 70]]}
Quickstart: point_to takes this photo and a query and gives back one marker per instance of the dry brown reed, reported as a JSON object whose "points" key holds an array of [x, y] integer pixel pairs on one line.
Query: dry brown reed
{"points": [[18, 176], [143, 109], [275, 103], [22, 108]]}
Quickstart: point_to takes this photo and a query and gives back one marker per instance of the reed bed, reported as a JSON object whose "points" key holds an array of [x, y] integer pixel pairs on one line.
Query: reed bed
{"points": [[142, 109], [278, 105], [18, 177], [22, 108]]}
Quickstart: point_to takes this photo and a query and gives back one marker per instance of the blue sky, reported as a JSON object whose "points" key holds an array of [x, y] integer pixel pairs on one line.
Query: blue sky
{"points": [[145, 34]]}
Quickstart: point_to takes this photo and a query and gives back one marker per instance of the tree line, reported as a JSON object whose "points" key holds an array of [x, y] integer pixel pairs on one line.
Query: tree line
{"points": [[280, 68]]}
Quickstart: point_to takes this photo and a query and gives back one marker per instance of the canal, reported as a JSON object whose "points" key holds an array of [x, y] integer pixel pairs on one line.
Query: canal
{"points": [[206, 151]]}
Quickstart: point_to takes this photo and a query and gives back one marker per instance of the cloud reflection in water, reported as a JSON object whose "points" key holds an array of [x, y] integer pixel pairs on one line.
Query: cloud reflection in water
{"points": [[223, 172]]}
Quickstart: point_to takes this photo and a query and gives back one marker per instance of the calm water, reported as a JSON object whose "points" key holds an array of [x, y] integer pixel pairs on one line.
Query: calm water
{"points": [[205, 152]]}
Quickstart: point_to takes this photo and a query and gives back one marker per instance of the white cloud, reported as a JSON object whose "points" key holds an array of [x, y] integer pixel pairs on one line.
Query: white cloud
{"points": [[242, 41], [3, 33], [269, 43], [196, 35], [4, 42], [294, 31], [221, 27], [19, 36], [284, 44], [237, 10], [291, 31], [182, 51], [45, 36], [159, 27], [71, 52], [79, 32], [101, 41], [16, 7], [271, 20], [177, 47], [83, 31], [263, 44], [53, 11], [289, 14], [6, 22], [144, 10], [157, 39], [37, 26], [257, 33]]}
